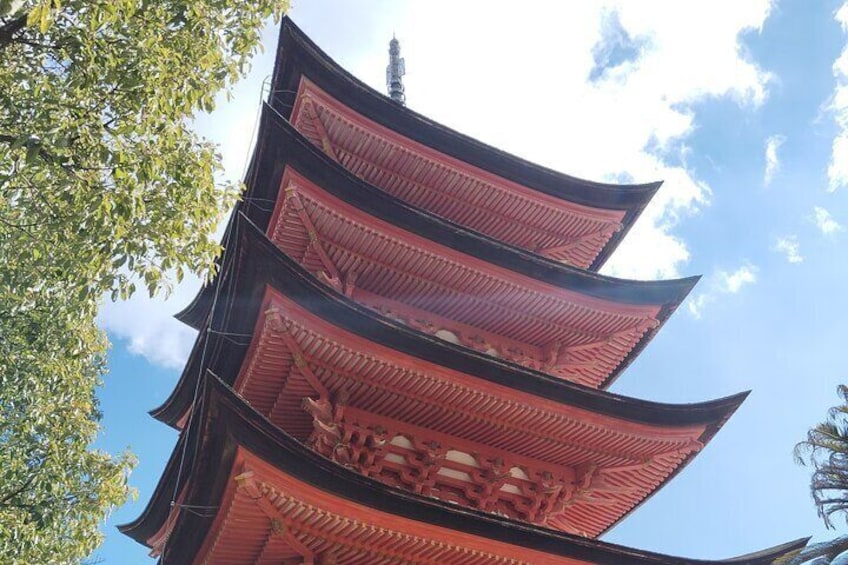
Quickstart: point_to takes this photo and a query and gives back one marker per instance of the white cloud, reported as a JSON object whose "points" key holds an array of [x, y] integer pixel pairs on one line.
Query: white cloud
{"points": [[841, 16], [534, 70], [722, 283], [732, 282], [837, 171], [773, 144], [148, 326], [790, 248], [825, 222]]}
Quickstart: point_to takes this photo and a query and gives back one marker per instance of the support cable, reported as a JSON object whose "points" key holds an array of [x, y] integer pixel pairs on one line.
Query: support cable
{"points": [[195, 405], [208, 330]]}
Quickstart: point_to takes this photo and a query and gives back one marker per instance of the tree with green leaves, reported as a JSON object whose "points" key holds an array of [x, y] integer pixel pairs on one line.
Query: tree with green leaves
{"points": [[826, 451], [103, 187]]}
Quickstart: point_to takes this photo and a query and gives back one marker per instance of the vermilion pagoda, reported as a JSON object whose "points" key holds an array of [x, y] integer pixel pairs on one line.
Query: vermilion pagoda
{"points": [[404, 355]]}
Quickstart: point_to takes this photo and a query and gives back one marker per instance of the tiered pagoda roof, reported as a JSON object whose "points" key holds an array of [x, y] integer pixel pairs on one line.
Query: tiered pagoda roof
{"points": [[310, 341], [404, 354], [413, 265]]}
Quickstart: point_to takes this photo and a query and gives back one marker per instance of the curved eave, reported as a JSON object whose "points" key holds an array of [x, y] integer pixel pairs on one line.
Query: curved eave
{"points": [[279, 144], [258, 263], [191, 315], [290, 147], [227, 422], [156, 512], [298, 56]]}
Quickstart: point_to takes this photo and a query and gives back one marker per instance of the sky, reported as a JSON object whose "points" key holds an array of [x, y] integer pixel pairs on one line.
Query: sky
{"points": [[740, 107]]}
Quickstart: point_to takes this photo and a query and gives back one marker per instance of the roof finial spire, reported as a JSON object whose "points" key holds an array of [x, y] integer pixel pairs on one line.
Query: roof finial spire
{"points": [[395, 72]]}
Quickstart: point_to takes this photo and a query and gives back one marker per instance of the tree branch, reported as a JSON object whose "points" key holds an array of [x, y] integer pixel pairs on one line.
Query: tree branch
{"points": [[10, 28], [46, 155], [5, 500]]}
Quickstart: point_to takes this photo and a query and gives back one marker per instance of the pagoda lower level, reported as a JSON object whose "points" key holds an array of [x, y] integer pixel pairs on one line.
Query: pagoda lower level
{"points": [[405, 353]]}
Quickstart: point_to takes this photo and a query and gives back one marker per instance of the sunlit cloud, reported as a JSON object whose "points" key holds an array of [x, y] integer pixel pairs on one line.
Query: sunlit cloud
{"points": [[722, 283], [789, 247], [732, 282], [147, 326], [837, 171], [612, 93], [773, 145], [825, 222]]}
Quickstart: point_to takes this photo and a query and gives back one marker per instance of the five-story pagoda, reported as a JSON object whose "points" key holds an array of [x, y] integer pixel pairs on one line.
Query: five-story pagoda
{"points": [[403, 357]]}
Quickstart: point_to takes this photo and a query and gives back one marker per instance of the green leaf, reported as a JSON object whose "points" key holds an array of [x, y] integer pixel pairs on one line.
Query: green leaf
{"points": [[33, 150], [45, 21], [34, 15]]}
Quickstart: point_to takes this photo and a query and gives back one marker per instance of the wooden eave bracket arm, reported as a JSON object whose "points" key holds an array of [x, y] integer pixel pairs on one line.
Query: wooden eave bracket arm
{"points": [[557, 355], [605, 231], [331, 276], [248, 485], [276, 322], [311, 113]]}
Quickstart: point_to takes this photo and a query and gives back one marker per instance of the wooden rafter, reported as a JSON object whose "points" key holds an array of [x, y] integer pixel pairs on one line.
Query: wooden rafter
{"points": [[248, 485], [312, 115], [559, 356], [604, 231], [430, 163], [277, 322], [393, 387], [434, 286], [333, 276], [284, 525]]}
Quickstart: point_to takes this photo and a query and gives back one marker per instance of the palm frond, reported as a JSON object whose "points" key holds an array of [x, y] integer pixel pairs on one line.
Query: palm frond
{"points": [[826, 451]]}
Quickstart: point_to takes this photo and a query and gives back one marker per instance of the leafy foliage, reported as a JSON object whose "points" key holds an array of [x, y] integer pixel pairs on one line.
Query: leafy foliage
{"points": [[103, 185], [826, 450]]}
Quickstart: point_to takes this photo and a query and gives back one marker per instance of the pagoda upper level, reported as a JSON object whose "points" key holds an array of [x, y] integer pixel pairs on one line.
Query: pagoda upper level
{"points": [[443, 279], [439, 170]]}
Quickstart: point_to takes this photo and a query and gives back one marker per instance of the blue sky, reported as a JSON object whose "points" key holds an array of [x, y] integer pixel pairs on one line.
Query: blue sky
{"points": [[741, 107]]}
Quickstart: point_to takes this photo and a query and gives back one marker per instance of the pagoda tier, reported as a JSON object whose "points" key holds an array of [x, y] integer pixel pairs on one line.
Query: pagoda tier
{"points": [[444, 172], [250, 493], [422, 414], [443, 279]]}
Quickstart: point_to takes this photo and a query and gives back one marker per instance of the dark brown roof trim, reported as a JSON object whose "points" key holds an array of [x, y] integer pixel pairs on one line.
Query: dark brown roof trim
{"points": [[254, 262]]}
